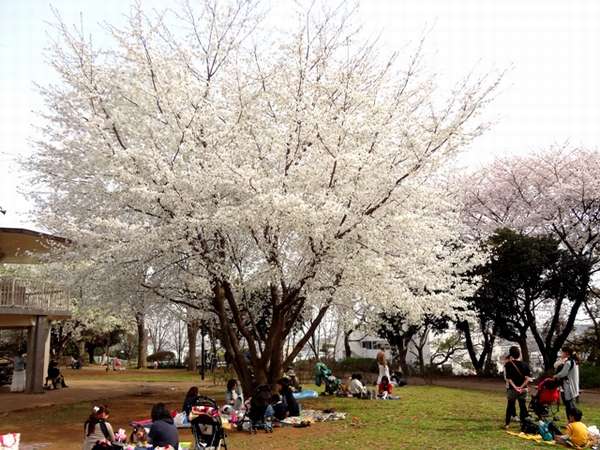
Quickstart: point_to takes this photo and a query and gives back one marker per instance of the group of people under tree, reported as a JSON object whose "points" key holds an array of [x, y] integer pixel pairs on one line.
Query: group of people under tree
{"points": [[99, 433], [518, 377]]}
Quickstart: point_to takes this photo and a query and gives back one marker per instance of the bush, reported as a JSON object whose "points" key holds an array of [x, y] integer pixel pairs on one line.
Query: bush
{"points": [[162, 356], [589, 376], [352, 365]]}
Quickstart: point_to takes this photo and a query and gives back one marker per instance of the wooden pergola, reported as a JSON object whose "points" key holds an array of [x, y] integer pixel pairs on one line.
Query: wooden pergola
{"points": [[31, 304]]}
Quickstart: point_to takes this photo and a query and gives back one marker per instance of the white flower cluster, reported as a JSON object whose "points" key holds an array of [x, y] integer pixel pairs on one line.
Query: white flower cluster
{"points": [[305, 166]]}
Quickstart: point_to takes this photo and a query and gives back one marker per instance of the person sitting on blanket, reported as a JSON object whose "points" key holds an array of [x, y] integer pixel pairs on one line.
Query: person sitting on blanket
{"points": [[234, 395], [384, 389], [291, 405], [139, 437], [189, 401], [577, 433], [163, 431], [97, 429], [357, 389], [279, 408]]}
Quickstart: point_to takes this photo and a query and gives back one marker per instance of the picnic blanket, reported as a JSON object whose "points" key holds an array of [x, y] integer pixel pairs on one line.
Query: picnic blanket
{"points": [[302, 395], [531, 437], [312, 415], [538, 439]]}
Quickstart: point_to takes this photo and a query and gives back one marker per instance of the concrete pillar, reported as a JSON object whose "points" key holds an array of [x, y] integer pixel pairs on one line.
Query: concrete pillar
{"points": [[38, 338], [47, 350]]}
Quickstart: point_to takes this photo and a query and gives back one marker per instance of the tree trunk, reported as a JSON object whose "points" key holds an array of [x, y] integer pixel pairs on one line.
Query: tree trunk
{"points": [[489, 366], [192, 333], [81, 348], [202, 354], [142, 340], [90, 348], [347, 349], [482, 363], [524, 349], [402, 353]]}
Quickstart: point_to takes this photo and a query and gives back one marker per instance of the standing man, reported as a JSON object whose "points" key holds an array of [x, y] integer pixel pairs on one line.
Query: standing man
{"points": [[382, 364]]}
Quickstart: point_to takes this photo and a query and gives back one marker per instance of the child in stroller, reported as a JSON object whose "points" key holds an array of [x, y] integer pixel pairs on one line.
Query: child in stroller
{"points": [[260, 413], [206, 425], [323, 374], [546, 400]]}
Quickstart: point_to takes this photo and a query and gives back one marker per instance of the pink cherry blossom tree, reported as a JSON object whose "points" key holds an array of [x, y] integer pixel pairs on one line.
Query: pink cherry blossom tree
{"points": [[556, 192]]}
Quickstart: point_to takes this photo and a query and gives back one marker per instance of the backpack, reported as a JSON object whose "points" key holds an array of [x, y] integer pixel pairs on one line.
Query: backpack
{"points": [[528, 426]]}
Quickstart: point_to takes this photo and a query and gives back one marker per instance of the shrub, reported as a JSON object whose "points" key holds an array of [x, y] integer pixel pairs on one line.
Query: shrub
{"points": [[589, 376], [162, 356], [351, 365]]}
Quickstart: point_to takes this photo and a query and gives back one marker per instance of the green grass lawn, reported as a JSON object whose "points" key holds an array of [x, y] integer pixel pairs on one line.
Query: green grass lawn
{"points": [[426, 417]]}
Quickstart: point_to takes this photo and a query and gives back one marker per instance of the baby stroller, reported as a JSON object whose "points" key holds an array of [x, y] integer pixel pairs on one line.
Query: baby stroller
{"points": [[257, 417], [324, 375], [206, 425], [546, 401]]}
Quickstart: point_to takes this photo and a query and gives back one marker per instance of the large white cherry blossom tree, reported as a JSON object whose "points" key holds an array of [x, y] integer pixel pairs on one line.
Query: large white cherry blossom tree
{"points": [[235, 159]]}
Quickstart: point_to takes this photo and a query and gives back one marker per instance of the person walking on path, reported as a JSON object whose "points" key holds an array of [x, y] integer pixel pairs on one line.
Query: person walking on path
{"points": [[518, 376], [568, 374], [384, 369]]}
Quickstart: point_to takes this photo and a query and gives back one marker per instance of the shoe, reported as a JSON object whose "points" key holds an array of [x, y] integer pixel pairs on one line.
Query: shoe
{"points": [[504, 427]]}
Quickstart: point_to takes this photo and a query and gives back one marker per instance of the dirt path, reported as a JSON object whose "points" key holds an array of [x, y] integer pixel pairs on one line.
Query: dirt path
{"points": [[58, 425]]}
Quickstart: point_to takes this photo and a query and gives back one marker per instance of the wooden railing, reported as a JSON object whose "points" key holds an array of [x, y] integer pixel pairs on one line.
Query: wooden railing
{"points": [[28, 294]]}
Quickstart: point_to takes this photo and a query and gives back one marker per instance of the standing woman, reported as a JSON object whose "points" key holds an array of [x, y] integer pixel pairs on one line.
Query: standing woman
{"points": [[517, 376], [568, 374], [382, 365]]}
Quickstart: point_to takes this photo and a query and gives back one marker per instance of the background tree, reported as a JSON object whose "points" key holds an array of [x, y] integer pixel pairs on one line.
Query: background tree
{"points": [[398, 330], [556, 193]]}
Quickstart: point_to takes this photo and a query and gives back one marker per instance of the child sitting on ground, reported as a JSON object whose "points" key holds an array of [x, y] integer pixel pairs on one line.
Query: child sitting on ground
{"points": [[357, 389], [577, 433], [139, 438], [234, 395], [384, 389]]}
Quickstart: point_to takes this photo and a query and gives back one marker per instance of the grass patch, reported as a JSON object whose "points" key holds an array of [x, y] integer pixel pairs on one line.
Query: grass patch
{"points": [[426, 417]]}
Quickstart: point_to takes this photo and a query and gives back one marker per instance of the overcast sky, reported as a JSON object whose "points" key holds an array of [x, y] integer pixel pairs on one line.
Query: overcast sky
{"points": [[551, 49]]}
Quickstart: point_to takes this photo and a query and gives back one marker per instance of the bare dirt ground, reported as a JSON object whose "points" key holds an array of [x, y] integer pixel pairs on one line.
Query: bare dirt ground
{"points": [[54, 420]]}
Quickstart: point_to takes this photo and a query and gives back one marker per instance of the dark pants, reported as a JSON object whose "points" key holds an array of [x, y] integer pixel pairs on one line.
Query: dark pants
{"points": [[512, 398], [569, 405]]}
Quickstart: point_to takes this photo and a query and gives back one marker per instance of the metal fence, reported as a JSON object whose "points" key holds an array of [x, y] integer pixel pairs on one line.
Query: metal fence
{"points": [[32, 294]]}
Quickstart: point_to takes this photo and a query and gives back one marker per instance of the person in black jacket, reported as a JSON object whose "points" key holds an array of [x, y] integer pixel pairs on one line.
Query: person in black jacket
{"points": [[291, 405], [163, 431], [190, 400], [518, 376]]}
